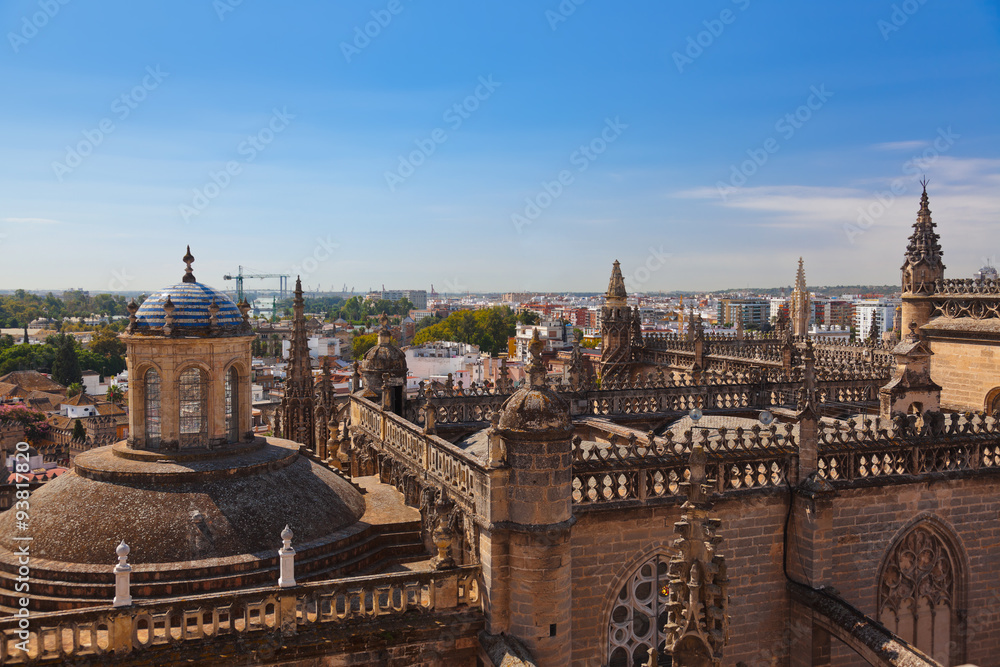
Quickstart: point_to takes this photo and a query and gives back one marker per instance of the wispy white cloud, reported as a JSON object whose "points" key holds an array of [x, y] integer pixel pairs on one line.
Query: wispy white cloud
{"points": [[901, 145], [967, 188], [32, 221]]}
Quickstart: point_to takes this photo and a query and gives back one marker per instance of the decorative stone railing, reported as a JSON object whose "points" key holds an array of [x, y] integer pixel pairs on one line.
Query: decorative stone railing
{"points": [[658, 392], [978, 299], [636, 470], [875, 448], [967, 287], [448, 466], [96, 633]]}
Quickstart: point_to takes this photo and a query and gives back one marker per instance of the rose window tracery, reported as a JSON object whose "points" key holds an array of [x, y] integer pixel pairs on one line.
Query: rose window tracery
{"points": [[638, 616]]}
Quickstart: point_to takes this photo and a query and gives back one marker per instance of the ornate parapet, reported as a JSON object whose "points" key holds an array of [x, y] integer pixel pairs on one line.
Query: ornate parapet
{"points": [[871, 450], [252, 619]]}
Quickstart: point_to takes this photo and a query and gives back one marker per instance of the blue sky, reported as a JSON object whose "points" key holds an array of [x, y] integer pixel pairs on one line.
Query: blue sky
{"points": [[656, 133]]}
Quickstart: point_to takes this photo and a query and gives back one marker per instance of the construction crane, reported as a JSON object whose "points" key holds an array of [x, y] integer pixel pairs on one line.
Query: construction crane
{"points": [[282, 281]]}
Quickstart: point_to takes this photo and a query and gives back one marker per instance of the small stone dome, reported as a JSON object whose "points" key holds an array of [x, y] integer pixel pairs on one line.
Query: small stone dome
{"points": [[534, 409], [384, 357]]}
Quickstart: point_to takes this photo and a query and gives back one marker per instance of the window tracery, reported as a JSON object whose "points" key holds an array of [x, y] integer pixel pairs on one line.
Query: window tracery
{"points": [[638, 616], [917, 592]]}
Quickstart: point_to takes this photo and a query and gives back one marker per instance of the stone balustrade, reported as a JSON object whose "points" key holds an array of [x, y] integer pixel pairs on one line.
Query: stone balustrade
{"points": [[448, 466], [96, 633], [873, 449]]}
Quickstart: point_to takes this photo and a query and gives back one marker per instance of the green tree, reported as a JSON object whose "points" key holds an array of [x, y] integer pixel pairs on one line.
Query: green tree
{"points": [[79, 433], [488, 328], [115, 394], [360, 344], [66, 365], [528, 317], [74, 389]]}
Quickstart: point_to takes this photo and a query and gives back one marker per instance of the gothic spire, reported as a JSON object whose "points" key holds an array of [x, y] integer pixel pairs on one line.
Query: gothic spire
{"points": [[616, 295], [298, 304], [297, 404], [800, 303], [925, 244]]}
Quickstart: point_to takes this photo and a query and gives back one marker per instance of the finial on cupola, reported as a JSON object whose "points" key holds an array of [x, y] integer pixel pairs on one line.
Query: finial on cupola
{"points": [[189, 272]]}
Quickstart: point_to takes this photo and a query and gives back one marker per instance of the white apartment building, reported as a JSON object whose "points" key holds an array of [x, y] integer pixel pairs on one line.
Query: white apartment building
{"points": [[437, 359], [319, 346], [878, 313], [552, 334]]}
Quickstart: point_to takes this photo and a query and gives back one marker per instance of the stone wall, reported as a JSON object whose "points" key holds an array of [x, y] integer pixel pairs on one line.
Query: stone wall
{"points": [[966, 371], [866, 522], [608, 546], [841, 542]]}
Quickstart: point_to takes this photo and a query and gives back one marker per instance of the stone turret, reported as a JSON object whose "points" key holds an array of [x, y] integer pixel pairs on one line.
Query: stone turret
{"points": [[536, 431], [383, 370], [922, 267], [911, 389], [618, 327], [188, 355]]}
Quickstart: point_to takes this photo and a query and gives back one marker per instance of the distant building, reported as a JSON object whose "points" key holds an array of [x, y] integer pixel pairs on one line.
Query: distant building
{"points": [[417, 297], [552, 335], [986, 273], [443, 357], [877, 313], [752, 311]]}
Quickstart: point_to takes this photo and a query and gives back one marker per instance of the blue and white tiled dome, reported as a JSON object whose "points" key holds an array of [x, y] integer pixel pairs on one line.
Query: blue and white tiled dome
{"points": [[191, 302], [192, 315]]}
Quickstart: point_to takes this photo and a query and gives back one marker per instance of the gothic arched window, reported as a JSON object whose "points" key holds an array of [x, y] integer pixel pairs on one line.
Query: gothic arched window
{"points": [[151, 409], [638, 616], [232, 405], [918, 593], [193, 402]]}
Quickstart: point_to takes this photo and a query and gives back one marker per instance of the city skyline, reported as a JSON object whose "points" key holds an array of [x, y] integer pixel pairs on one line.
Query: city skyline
{"points": [[494, 148]]}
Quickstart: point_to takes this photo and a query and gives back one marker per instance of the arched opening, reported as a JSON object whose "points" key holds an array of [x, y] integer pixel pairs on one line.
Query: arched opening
{"points": [[992, 402], [919, 593], [151, 408], [193, 403], [232, 405], [638, 615]]}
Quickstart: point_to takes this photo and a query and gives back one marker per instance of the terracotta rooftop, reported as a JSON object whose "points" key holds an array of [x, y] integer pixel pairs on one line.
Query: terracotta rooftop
{"points": [[33, 381]]}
